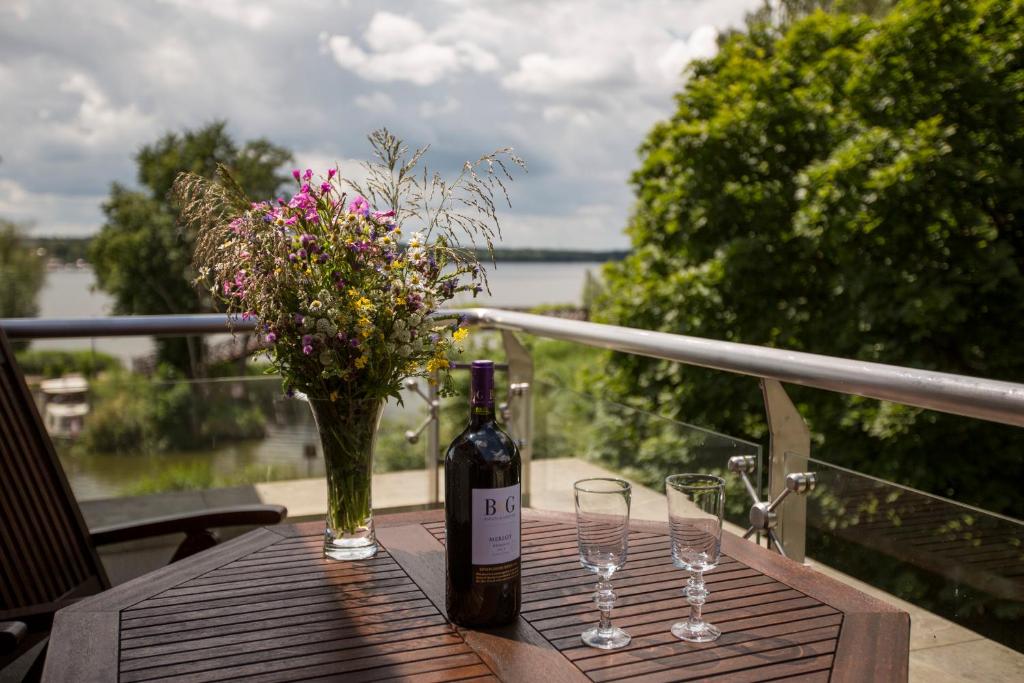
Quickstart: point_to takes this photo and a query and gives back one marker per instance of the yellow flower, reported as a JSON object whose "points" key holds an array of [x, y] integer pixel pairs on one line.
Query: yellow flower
{"points": [[460, 334], [437, 364], [361, 362], [334, 396]]}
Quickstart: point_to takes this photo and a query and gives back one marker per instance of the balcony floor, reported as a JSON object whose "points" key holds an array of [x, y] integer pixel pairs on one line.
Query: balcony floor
{"points": [[940, 650]]}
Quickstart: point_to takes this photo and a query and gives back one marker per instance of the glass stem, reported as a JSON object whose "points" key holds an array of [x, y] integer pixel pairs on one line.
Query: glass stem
{"points": [[696, 595], [604, 597]]}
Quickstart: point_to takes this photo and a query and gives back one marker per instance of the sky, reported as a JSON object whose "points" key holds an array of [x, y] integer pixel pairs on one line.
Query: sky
{"points": [[572, 85]]}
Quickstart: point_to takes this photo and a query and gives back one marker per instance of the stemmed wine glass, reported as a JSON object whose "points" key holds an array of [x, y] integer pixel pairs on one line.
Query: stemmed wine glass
{"points": [[602, 531], [695, 504]]}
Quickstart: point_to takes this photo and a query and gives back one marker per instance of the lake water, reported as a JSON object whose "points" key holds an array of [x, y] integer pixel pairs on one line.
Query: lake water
{"points": [[71, 293]]}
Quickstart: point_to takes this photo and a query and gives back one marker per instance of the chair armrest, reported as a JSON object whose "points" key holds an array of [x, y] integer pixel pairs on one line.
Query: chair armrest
{"points": [[189, 523], [11, 633]]}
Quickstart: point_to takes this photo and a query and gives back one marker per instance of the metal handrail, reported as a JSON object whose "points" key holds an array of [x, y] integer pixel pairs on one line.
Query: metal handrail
{"points": [[985, 399]]}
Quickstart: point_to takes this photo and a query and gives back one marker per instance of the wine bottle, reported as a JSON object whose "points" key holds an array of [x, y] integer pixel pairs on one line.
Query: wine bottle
{"points": [[482, 515]]}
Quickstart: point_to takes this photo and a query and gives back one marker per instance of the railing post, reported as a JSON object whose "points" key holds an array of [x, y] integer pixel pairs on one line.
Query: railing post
{"points": [[789, 450], [434, 438], [520, 403]]}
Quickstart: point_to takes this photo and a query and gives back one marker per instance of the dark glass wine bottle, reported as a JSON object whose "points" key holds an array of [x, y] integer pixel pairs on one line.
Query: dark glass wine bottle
{"points": [[482, 515]]}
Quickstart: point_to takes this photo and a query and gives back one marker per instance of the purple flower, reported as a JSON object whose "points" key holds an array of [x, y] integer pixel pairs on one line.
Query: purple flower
{"points": [[325, 187], [306, 238], [307, 339], [322, 258], [292, 257], [308, 174], [299, 318], [302, 254], [271, 337], [307, 349], [353, 342], [295, 173], [331, 172], [359, 205], [341, 336]]}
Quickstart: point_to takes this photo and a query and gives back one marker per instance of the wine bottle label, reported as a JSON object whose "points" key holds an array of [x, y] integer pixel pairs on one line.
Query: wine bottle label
{"points": [[495, 527]]}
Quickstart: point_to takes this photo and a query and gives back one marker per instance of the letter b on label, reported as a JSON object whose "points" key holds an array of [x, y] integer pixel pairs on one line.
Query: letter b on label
{"points": [[490, 507]]}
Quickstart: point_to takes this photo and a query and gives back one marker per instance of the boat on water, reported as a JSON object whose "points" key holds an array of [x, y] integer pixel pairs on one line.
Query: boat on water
{"points": [[65, 405]]}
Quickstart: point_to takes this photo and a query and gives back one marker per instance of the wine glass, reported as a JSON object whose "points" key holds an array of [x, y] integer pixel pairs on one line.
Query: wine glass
{"points": [[695, 504], [602, 531]]}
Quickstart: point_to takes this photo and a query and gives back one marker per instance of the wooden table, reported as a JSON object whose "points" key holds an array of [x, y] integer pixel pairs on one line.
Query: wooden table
{"points": [[267, 607]]}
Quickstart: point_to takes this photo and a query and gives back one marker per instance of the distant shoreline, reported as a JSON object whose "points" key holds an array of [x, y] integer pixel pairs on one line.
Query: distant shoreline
{"points": [[552, 256], [71, 249]]}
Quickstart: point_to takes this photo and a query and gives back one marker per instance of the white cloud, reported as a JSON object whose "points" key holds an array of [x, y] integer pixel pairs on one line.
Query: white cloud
{"points": [[389, 32], [449, 105], [401, 50], [592, 226], [543, 74], [576, 116], [378, 102], [420, 64], [98, 122], [19, 8], [702, 44], [252, 15]]}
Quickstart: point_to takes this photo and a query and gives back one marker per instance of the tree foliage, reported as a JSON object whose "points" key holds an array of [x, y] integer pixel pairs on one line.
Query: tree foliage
{"points": [[849, 186], [22, 273], [141, 255]]}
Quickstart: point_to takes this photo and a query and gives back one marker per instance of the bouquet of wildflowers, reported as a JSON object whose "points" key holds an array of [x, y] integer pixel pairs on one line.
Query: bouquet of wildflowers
{"points": [[345, 291]]}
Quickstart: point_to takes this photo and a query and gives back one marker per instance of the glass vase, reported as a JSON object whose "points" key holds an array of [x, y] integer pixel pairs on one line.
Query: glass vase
{"points": [[348, 433]]}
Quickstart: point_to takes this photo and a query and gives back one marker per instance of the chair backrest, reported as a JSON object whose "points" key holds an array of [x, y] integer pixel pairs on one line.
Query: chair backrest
{"points": [[46, 554]]}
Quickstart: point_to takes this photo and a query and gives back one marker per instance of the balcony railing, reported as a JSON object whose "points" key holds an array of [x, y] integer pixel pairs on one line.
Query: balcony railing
{"points": [[964, 563]]}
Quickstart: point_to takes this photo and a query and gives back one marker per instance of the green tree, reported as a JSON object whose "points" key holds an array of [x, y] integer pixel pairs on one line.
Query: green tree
{"points": [[141, 255], [22, 273], [850, 186]]}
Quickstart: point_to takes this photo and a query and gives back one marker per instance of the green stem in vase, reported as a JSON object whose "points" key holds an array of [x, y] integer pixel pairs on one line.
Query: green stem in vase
{"points": [[347, 432]]}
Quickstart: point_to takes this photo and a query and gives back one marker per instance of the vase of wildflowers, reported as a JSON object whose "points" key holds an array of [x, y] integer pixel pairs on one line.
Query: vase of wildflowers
{"points": [[347, 297]]}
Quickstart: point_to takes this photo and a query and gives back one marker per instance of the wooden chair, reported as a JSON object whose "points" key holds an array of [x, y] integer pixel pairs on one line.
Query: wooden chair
{"points": [[48, 557]]}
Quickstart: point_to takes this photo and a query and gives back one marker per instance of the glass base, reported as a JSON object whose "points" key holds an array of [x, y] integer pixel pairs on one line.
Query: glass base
{"points": [[611, 639], [342, 550], [701, 632]]}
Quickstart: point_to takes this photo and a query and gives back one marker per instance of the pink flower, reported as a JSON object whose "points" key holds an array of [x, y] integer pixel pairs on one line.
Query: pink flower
{"points": [[295, 173], [359, 205], [331, 173], [325, 187], [308, 174], [381, 215]]}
